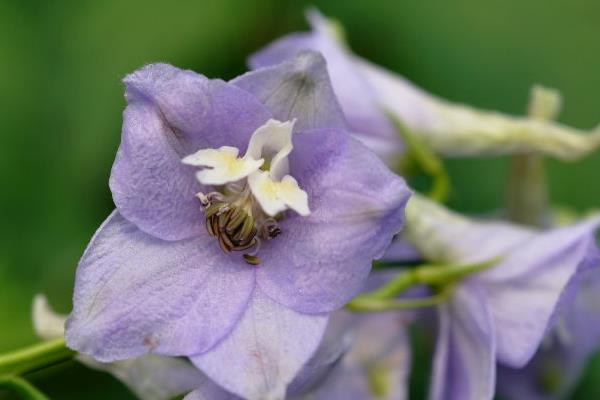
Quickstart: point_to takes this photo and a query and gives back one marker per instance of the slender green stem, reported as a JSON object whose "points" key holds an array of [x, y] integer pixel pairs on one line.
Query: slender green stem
{"points": [[367, 304], [34, 357], [430, 163], [399, 284], [22, 387], [427, 274], [437, 275]]}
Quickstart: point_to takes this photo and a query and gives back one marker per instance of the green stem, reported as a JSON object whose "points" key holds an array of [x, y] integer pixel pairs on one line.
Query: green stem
{"points": [[35, 357], [437, 275], [22, 387], [367, 304], [429, 163], [427, 274]]}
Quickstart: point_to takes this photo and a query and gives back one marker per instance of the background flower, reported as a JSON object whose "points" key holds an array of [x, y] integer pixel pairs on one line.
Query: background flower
{"points": [[366, 91], [502, 313]]}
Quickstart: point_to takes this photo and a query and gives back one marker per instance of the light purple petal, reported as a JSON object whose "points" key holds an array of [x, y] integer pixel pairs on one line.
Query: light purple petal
{"points": [[136, 294], [559, 362], [320, 262], [150, 377], [365, 117], [464, 363], [173, 113], [297, 88], [265, 351], [525, 288]]}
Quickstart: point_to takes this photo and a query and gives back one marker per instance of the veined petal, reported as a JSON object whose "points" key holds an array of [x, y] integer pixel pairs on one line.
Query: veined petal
{"points": [[270, 344], [297, 88], [172, 113], [464, 365], [150, 377], [320, 261], [225, 165], [135, 294], [357, 99]]}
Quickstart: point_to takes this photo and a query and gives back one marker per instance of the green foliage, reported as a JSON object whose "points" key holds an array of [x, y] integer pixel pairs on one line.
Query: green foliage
{"points": [[61, 102]]}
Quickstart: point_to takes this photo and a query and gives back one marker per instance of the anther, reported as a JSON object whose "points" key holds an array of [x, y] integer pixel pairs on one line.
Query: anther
{"points": [[252, 258], [270, 229], [213, 209]]}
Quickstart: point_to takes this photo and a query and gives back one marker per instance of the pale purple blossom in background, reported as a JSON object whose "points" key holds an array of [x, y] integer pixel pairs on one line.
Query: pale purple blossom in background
{"points": [[502, 314], [567, 346], [367, 91]]}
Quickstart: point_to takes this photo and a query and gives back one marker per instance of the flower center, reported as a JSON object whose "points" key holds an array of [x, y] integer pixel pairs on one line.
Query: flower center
{"points": [[251, 192]]}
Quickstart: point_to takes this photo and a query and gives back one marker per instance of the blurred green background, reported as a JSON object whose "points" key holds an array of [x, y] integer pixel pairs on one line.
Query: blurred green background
{"points": [[61, 100]]}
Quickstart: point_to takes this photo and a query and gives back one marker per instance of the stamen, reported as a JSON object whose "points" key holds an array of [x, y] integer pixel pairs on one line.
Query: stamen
{"points": [[270, 229], [233, 227], [234, 222], [252, 258]]}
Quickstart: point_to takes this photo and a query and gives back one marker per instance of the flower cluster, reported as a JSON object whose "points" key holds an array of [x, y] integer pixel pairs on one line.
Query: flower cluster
{"points": [[249, 213]]}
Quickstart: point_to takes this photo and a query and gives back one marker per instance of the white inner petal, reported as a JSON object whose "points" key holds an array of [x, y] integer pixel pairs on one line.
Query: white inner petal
{"points": [[223, 164], [273, 141], [276, 196]]}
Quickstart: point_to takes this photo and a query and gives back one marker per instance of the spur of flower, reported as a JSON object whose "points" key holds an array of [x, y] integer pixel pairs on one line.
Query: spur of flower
{"points": [[245, 213]]}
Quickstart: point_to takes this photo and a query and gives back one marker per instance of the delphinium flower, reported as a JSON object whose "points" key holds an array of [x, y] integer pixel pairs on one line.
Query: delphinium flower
{"points": [[558, 364], [368, 92], [518, 278], [245, 213]]}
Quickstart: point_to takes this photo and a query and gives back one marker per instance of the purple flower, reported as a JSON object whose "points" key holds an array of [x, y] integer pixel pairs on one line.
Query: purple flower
{"points": [[366, 90], [245, 214], [559, 362], [500, 314]]}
